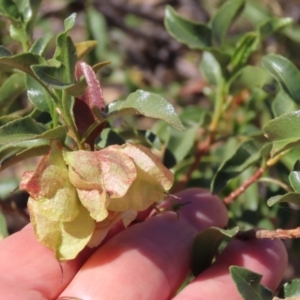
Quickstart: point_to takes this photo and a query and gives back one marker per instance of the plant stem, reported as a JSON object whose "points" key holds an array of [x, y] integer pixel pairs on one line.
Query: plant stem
{"points": [[218, 109], [271, 162], [202, 148], [270, 234], [244, 186], [69, 120], [277, 182]]}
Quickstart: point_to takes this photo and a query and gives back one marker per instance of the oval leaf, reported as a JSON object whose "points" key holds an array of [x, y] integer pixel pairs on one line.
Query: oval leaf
{"points": [[289, 197], [294, 179], [286, 73], [40, 45], [282, 104], [283, 132], [194, 35], [224, 17], [211, 68], [246, 45], [10, 90], [38, 95], [147, 104]]}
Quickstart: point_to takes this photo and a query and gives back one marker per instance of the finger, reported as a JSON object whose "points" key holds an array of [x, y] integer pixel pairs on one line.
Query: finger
{"points": [[150, 259], [32, 268], [38, 273], [265, 257]]}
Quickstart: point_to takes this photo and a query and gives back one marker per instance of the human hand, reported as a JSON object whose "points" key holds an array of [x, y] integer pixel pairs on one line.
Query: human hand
{"points": [[149, 260]]}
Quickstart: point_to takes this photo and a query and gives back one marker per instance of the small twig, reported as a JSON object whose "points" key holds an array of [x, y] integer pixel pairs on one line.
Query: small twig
{"points": [[269, 234], [244, 186], [271, 162], [277, 182], [202, 149]]}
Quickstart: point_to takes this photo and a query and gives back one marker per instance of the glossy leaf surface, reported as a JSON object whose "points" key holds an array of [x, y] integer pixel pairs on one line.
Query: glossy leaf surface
{"points": [[38, 95], [286, 73], [9, 9], [147, 104]]}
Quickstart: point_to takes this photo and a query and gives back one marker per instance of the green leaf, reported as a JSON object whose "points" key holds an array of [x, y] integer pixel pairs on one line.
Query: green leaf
{"points": [[9, 9], [38, 95], [21, 29], [179, 144], [147, 104], [283, 132], [292, 288], [70, 22], [272, 25], [22, 62], [24, 129], [211, 68], [40, 45], [282, 104], [12, 87], [14, 153], [246, 45], [224, 17], [20, 130], [52, 76], [28, 9], [248, 284], [96, 24], [286, 73], [289, 197], [247, 154], [294, 178], [65, 51], [194, 35], [205, 246], [248, 77]]}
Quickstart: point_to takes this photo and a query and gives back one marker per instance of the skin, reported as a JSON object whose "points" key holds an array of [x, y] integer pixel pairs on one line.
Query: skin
{"points": [[149, 260]]}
